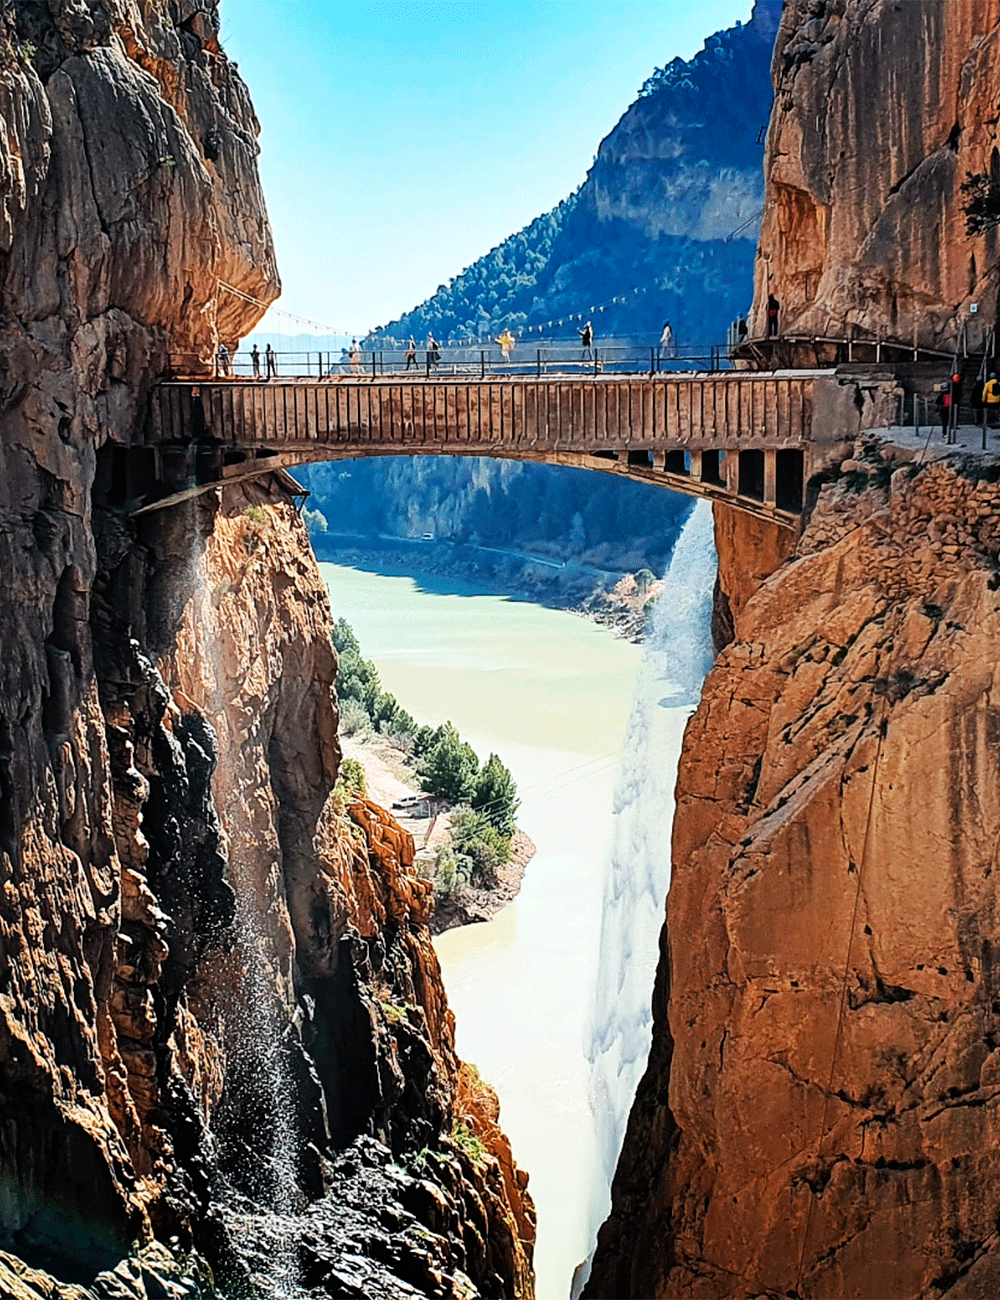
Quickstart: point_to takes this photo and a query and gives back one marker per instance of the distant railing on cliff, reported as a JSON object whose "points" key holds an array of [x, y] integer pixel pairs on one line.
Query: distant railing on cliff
{"points": [[856, 347]]}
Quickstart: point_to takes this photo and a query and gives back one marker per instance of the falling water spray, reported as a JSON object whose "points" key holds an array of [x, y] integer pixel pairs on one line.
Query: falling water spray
{"points": [[257, 1113], [677, 655]]}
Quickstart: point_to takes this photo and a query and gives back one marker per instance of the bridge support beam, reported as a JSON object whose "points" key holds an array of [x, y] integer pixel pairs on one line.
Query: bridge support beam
{"points": [[731, 471], [770, 478]]}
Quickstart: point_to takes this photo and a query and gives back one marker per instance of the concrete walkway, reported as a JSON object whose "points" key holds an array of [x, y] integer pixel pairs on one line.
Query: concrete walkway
{"points": [[928, 443]]}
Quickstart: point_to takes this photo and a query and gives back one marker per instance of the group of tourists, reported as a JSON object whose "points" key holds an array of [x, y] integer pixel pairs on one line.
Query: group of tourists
{"points": [[985, 402], [224, 360], [433, 353]]}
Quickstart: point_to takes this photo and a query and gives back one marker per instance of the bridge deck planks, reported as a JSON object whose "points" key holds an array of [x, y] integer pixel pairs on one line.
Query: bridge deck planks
{"points": [[520, 415]]}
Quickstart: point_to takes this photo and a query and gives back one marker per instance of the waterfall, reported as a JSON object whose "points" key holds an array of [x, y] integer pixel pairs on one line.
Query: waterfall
{"points": [[254, 1122], [678, 654]]}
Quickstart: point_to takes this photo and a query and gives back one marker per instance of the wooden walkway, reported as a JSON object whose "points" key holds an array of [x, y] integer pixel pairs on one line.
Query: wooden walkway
{"points": [[750, 438]]}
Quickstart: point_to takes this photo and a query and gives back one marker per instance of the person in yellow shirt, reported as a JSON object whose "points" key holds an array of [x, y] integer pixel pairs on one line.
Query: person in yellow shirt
{"points": [[991, 399]]}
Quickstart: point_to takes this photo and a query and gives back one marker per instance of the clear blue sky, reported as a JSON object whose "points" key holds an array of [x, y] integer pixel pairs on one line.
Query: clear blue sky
{"points": [[400, 141]]}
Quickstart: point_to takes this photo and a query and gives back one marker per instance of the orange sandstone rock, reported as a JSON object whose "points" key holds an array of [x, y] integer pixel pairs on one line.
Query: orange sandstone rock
{"points": [[819, 1116]]}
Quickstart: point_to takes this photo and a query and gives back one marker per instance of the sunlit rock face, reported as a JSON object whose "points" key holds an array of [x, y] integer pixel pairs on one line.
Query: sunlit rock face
{"points": [[881, 112], [819, 1115], [213, 979], [116, 221], [331, 911]]}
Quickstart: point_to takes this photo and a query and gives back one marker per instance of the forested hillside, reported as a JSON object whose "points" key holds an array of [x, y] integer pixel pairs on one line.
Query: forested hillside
{"points": [[666, 222], [603, 520]]}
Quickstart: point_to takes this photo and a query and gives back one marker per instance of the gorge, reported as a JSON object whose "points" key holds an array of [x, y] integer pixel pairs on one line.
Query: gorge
{"points": [[227, 1063]]}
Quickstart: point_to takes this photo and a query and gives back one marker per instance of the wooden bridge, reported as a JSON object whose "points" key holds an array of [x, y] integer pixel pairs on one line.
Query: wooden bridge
{"points": [[752, 439]]}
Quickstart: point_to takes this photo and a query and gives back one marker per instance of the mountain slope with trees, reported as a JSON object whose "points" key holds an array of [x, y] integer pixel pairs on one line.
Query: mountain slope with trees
{"points": [[663, 227], [666, 220]]}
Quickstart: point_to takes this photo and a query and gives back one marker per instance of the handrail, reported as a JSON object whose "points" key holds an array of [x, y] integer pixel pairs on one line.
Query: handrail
{"points": [[873, 341], [554, 356], [467, 362]]}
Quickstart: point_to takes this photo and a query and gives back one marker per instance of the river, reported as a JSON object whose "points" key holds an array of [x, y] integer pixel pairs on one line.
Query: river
{"points": [[551, 693]]}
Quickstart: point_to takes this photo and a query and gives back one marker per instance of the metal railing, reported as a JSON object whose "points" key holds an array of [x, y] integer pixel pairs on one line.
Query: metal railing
{"points": [[547, 357], [861, 347], [467, 362]]}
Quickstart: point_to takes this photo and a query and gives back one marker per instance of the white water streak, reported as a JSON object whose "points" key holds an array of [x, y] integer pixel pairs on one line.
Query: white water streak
{"points": [[677, 656]]}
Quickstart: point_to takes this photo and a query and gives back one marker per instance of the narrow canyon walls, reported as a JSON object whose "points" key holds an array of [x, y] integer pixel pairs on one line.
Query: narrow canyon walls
{"points": [[128, 184], [819, 1115]]}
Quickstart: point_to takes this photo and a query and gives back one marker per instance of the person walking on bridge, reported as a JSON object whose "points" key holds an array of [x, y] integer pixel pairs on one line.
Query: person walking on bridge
{"points": [[411, 354], [433, 352], [587, 340], [506, 342], [270, 362], [667, 340], [222, 361], [255, 361]]}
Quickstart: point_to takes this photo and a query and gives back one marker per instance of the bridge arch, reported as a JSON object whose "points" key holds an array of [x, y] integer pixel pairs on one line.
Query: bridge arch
{"points": [[750, 439]]}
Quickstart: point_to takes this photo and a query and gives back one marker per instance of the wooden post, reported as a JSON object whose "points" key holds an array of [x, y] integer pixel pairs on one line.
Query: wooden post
{"points": [[770, 477], [731, 469]]}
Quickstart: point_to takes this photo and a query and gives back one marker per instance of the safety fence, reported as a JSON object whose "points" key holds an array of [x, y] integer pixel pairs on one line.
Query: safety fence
{"points": [[468, 362]]}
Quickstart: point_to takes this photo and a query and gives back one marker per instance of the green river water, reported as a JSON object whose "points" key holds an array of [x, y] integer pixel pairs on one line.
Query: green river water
{"points": [[551, 693]]}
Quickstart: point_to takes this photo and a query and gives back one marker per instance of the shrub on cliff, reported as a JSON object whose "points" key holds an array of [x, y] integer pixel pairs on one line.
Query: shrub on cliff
{"points": [[452, 872], [449, 769], [358, 679], [495, 796], [353, 776], [344, 638]]}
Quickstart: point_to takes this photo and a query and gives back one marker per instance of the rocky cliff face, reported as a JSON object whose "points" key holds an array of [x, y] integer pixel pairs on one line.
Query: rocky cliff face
{"points": [[115, 223], [332, 963], [881, 112], [221, 1022], [819, 1113]]}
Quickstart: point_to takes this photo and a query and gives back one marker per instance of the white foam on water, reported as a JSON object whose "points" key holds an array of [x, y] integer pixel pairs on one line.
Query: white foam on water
{"points": [[677, 655]]}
